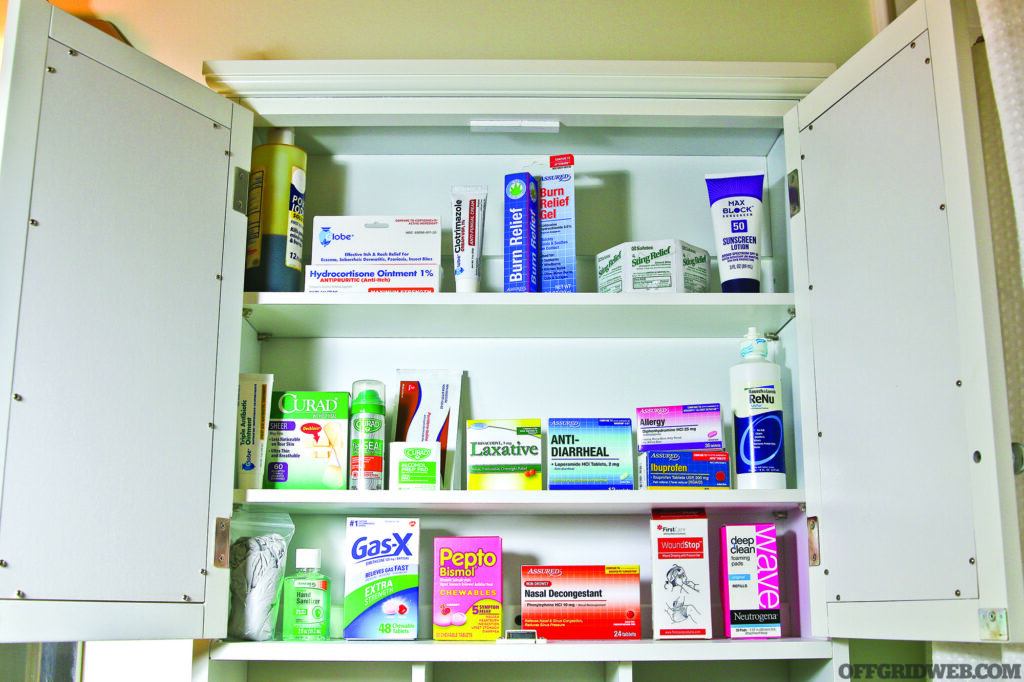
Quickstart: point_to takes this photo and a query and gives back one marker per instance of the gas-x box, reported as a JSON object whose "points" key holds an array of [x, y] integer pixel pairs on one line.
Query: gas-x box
{"points": [[522, 260], [375, 253], [307, 440], [683, 469], [751, 603], [590, 454], [680, 575], [679, 427], [382, 580], [582, 602], [665, 265], [467, 588]]}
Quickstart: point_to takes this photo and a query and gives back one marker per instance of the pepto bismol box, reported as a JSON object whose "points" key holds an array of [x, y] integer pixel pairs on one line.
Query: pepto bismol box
{"points": [[680, 575], [381, 578], [582, 602], [679, 427], [307, 440], [751, 603], [467, 588], [522, 262], [590, 454]]}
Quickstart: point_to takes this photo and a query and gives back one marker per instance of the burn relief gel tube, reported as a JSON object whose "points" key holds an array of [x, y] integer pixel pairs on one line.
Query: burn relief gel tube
{"points": [[737, 214], [468, 204]]}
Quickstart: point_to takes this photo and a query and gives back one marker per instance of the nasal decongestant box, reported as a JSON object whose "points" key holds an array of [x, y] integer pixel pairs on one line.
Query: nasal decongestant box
{"points": [[582, 602], [680, 574], [663, 265], [590, 454], [522, 262], [375, 253], [751, 603], [467, 588], [381, 578]]}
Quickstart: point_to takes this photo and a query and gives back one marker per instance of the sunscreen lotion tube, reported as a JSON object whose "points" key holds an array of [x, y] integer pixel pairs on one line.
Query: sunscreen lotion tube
{"points": [[468, 204], [737, 214]]}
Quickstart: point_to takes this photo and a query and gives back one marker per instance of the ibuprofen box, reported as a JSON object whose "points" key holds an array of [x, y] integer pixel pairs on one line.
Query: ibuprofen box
{"points": [[683, 469], [750, 582], [582, 602], [679, 427], [680, 575], [467, 588], [522, 260]]}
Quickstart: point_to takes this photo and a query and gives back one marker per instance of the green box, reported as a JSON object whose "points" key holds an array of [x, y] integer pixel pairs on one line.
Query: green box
{"points": [[307, 442]]}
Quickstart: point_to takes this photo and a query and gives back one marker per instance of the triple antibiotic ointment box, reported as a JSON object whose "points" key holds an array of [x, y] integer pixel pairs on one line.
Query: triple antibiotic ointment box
{"points": [[683, 469], [522, 261], [679, 427], [590, 454], [467, 588], [750, 582], [582, 602], [680, 574]]}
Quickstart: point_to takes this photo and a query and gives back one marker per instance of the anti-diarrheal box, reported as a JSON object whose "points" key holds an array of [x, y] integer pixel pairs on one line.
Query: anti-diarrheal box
{"points": [[521, 240], [375, 253], [679, 427], [683, 469], [503, 454], [557, 183], [680, 575], [414, 466], [664, 265], [750, 582], [467, 588], [582, 602], [590, 454], [381, 578], [307, 442]]}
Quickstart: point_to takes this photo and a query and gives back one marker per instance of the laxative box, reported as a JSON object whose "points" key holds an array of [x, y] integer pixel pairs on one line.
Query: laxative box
{"points": [[679, 427], [522, 261], [680, 575], [467, 588], [503, 454], [375, 253], [590, 454], [683, 469], [414, 466], [381, 578], [557, 183], [665, 265], [750, 582], [307, 440], [582, 602]]}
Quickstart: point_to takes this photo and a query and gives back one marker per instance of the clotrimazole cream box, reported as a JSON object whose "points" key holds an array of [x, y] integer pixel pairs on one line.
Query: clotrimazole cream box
{"points": [[582, 602], [751, 602], [467, 588], [680, 574], [414, 466], [663, 265], [307, 442], [503, 454], [382, 580], [590, 454], [375, 253]]}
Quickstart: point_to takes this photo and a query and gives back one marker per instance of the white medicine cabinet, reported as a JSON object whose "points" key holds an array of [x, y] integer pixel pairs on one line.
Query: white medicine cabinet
{"points": [[125, 326]]}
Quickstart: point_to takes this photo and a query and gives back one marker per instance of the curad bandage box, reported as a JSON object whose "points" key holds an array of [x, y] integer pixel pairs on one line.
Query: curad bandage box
{"points": [[582, 602], [307, 440]]}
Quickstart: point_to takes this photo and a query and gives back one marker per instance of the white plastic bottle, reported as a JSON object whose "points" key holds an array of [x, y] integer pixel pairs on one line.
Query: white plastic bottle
{"points": [[756, 387]]}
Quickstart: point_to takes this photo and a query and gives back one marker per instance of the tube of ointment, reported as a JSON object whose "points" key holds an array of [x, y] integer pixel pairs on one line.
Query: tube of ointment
{"points": [[737, 214], [253, 416], [428, 410], [468, 203]]}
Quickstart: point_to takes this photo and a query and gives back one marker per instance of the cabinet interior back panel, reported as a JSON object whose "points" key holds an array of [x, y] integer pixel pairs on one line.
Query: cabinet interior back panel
{"points": [[888, 407], [117, 389]]}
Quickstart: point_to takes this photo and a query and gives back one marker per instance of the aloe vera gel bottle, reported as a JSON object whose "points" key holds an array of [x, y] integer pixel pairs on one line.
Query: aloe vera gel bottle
{"points": [[307, 600]]}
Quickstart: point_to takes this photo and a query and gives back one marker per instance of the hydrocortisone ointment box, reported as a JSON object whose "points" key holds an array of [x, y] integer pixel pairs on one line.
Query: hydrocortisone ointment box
{"points": [[663, 265], [751, 602], [375, 253], [582, 602], [307, 440], [680, 575]]}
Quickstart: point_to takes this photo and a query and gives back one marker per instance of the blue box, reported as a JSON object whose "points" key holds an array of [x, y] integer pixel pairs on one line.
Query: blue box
{"points": [[684, 469], [522, 263], [590, 454]]}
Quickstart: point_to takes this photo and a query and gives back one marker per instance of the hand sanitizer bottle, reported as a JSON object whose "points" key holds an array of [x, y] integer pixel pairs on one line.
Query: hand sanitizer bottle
{"points": [[307, 600], [756, 387]]}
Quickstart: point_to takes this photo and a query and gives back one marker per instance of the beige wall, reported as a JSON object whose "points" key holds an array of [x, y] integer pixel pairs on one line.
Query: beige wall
{"points": [[182, 34]]}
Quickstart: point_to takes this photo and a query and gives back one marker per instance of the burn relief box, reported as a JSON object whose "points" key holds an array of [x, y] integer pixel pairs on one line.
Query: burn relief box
{"points": [[680, 574], [683, 469], [751, 603], [582, 602], [664, 265], [375, 253], [522, 259]]}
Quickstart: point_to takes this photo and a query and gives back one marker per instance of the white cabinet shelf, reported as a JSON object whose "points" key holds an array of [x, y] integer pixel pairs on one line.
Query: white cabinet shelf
{"points": [[601, 502], [426, 650], [486, 315]]}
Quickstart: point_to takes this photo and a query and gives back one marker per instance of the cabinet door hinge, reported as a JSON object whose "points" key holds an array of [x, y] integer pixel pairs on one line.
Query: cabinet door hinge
{"points": [[813, 553], [222, 543], [240, 195], [794, 192], [992, 625]]}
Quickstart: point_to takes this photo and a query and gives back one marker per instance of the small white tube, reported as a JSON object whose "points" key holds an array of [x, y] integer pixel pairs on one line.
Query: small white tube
{"points": [[468, 204], [737, 214], [253, 418]]}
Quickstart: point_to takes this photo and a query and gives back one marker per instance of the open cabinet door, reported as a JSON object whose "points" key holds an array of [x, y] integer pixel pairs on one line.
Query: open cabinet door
{"points": [[909, 461], [120, 296]]}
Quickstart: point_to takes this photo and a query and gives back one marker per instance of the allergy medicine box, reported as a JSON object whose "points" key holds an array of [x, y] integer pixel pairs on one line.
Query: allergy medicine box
{"points": [[582, 602]]}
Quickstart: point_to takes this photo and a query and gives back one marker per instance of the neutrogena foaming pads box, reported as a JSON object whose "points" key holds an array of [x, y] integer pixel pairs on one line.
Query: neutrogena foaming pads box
{"points": [[582, 602], [590, 454], [382, 580], [467, 588], [679, 427], [680, 574], [307, 440], [751, 603]]}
